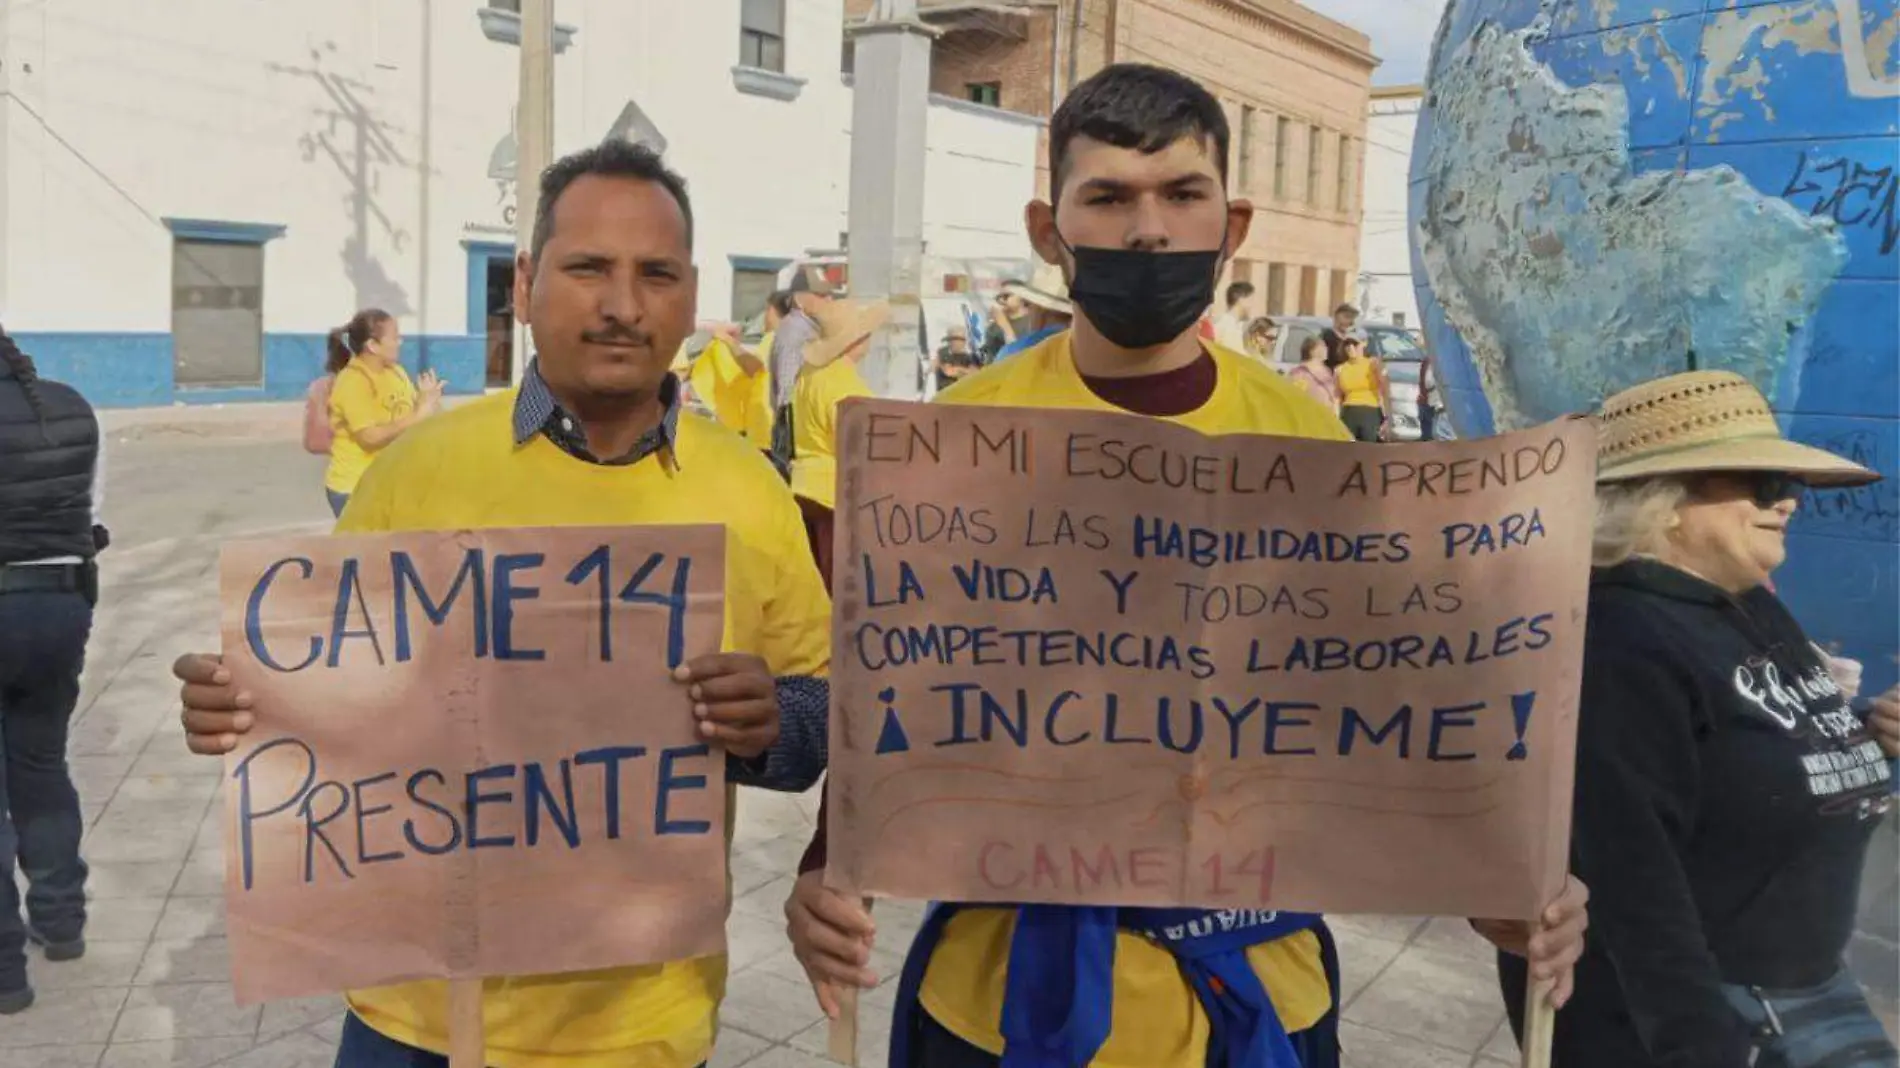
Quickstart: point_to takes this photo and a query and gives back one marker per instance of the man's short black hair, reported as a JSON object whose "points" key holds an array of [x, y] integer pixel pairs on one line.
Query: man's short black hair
{"points": [[1133, 105], [1238, 292], [783, 302], [609, 159], [1346, 309]]}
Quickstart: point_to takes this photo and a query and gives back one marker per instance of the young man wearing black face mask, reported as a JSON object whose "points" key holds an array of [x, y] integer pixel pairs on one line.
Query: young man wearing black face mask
{"points": [[1141, 226]]}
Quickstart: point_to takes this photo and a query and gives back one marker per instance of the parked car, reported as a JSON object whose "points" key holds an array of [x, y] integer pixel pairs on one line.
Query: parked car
{"points": [[1394, 346]]}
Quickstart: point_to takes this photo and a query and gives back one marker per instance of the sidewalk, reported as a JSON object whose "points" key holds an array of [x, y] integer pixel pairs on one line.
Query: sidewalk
{"points": [[153, 990]]}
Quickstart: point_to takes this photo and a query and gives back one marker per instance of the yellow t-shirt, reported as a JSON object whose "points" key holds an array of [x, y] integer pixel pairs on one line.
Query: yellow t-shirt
{"points": [[815, 427], [1157, 1021], [364, 396], [1358, 386], [462, 470], [741, 402]]}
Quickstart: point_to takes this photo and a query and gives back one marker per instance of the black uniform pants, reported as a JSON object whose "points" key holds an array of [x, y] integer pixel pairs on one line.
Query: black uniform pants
{"points": [[42, 651]]}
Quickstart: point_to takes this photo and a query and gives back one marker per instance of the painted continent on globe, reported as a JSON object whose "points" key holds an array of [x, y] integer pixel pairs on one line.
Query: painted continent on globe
{"points": [[1606, 191]]}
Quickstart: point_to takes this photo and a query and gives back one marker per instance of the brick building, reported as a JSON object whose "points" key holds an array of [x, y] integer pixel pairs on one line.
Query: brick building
{"points": [[1296, 86]]}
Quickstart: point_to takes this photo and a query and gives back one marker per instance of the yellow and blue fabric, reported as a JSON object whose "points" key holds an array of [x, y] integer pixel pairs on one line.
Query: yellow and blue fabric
{"points": [[1029, 341], [1058, 1004]]}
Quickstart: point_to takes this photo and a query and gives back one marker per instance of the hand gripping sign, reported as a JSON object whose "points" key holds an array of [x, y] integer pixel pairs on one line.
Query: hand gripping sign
{"points": [[469, 758]]}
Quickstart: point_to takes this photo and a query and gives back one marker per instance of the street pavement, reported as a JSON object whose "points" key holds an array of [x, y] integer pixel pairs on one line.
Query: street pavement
{"points": [[153, 990]]}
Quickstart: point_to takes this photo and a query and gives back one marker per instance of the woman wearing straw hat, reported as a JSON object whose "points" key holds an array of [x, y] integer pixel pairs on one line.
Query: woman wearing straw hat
{"points": [[829, 376], [1726, 789], [1046, 306]]}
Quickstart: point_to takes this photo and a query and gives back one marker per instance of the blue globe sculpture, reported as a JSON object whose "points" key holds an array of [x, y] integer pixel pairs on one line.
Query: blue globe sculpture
{"points": [[1606, 191]]}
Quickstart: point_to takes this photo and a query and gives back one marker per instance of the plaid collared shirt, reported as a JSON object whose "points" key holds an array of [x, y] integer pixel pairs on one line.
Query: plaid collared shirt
{"points": [[537, 412], [795, 761]]}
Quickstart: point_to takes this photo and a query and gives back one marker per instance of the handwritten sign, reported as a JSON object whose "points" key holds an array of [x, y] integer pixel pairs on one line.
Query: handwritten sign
{"points": [[469, 757], [1086, 658]]}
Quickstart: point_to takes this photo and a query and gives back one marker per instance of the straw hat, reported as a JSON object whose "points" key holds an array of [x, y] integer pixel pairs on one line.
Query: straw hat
{"points": [[1045, 290], [1706, 421], [842, 324]]}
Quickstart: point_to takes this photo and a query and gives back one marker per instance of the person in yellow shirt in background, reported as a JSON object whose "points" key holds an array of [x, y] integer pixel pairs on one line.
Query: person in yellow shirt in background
{"points": [[372, 402], [1141, 225], [829, 376], [1361, 382], [594, 437]]}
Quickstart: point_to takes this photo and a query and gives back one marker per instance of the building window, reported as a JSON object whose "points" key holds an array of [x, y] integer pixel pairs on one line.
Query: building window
{"points": [[762, 34], [217, 312], [1309, 291], [1276, 289], [751, 288], [1246, 149], [1341, 293], [1314, 137], [989, 94], [1282, 136], [1344, 191]]}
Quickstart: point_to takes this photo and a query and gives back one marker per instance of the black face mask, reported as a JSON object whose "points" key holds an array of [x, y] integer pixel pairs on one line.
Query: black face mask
{"points": [[1138, 298]]}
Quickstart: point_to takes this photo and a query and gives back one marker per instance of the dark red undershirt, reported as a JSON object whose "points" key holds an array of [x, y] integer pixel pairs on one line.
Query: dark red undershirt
{"points": [[1161, 396]]}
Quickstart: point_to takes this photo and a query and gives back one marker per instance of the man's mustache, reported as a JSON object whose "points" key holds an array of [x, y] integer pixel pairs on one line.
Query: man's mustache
{"points": [[617, 336]]}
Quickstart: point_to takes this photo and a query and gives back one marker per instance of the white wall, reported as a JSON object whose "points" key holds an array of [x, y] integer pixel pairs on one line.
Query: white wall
{"points": [[979, 175], [309, 114], [1385, 257]]}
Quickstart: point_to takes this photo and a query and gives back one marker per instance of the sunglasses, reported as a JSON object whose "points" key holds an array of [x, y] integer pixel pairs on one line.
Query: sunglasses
{"points": [[1769, 488]]}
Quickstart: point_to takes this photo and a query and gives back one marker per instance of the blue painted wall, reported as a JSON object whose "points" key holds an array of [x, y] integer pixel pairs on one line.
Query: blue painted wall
{"points": [[135, 370]]}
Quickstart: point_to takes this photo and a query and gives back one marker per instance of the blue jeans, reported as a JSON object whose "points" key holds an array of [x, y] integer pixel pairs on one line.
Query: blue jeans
{"points": [[365, 1047], [42, 651], [337, 501]]}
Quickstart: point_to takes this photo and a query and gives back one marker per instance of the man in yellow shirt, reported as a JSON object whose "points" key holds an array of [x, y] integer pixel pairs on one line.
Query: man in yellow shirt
{"points": [[594, 437], [1141, 226]]}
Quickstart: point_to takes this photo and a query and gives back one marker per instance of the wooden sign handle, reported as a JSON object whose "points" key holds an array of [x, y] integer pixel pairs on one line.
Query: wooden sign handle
{"points": [[1540, 1027], [842, 1043], [468, 1045]]}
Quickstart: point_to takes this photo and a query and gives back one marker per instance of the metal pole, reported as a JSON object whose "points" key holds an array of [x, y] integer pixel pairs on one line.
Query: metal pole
{"points": [[534, 135], [890, 109]]}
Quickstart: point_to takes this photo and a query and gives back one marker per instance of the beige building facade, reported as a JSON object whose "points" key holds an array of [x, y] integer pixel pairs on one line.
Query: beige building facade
{"points": [[1296, 86]]}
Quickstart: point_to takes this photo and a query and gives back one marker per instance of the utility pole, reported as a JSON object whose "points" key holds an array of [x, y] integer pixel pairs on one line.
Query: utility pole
{"points": [[534, 136], [890, 108]]}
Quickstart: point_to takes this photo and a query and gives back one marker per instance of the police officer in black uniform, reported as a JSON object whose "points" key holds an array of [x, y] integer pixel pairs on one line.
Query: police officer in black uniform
{"points": [[49, 541]]}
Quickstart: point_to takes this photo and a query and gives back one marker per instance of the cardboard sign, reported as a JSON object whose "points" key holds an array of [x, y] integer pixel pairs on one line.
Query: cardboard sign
{"points": [[1094, 658], [470, 758]]}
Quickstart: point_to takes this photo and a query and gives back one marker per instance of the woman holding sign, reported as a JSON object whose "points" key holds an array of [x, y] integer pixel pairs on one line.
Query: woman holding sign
{"points": [[1141, 226], [1727, 788]]}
